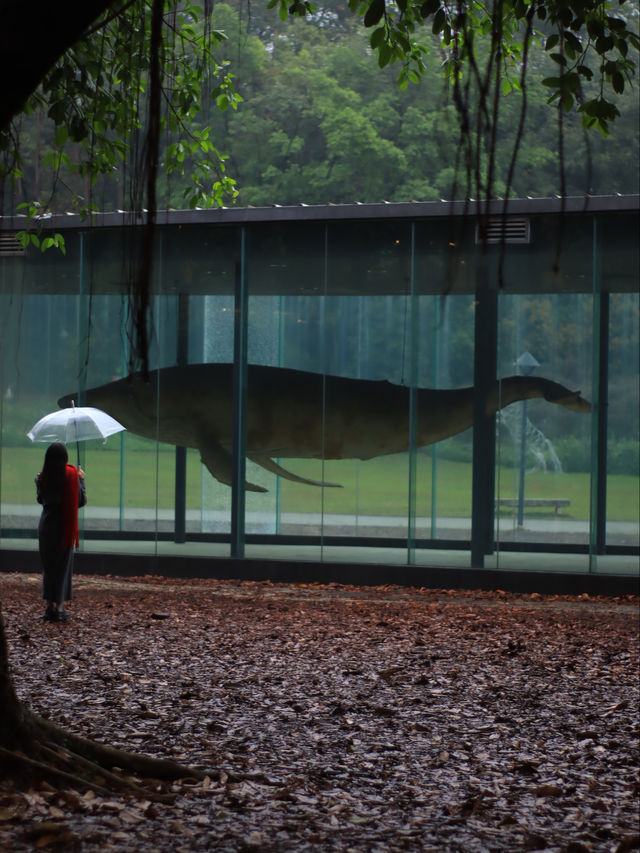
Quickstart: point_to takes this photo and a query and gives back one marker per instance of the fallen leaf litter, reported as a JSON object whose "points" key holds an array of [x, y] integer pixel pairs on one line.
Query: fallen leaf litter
{"points": [[335, 718]]}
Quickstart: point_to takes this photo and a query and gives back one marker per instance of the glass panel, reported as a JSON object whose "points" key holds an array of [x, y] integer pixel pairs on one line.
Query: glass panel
{"points": [[368, 341], [200, 264], [64, 335], [130, 477], [445, 466], [544, 450], [286, 279], [28, 392], [623, 485], [40, 358], [444, 280], [211, 320], [341, 310]]}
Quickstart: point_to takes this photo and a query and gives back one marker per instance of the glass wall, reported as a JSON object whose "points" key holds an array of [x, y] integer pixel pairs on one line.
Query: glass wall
{"points": [[359, 336]]}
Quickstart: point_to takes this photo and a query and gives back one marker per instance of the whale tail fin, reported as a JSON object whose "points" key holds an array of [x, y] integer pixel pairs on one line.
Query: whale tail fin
{"points": [[268, 464]]}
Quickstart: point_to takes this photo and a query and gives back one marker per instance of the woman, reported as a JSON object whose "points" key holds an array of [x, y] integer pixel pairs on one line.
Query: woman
{"points": [[60, 489]]}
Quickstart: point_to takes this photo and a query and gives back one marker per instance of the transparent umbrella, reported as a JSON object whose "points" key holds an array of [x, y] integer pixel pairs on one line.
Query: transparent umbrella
{"points": [[78, 423]]}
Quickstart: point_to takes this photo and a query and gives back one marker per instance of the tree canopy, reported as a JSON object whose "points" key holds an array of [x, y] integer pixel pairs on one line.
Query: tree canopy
{"points": [[316, 126]]}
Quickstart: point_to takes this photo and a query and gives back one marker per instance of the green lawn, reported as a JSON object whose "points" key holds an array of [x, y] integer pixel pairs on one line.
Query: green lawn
{"points": [[376, 487], [379, 487]]}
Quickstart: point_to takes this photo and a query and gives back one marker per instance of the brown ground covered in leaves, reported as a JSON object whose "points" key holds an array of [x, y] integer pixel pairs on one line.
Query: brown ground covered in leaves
{"points": [[335, 718]]}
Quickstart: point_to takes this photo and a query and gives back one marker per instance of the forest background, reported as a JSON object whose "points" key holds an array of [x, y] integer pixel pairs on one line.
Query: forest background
{"points": [[319, 122]]}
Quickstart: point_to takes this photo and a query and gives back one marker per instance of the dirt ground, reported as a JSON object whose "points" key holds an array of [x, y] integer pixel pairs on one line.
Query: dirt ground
{"points": [[333, 718]]}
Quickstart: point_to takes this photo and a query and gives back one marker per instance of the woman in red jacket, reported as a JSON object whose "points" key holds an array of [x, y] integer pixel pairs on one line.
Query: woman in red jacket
{"points": [[60, 489]]}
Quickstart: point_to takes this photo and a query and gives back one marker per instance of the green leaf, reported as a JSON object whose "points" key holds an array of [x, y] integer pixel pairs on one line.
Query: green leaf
{"points": [[403, 44], [595, 28], [439, 20], [520, 8], [617, 80], [61, 135], [622, 46], [604, 44], [599, 108], [378, 36], [429, 7], [572, 44], [384, 55], [374, 13], [615, 24]]}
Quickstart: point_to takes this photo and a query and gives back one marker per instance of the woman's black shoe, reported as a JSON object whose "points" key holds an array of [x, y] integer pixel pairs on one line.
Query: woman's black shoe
{"points": [[62, 615], [50, 614]]}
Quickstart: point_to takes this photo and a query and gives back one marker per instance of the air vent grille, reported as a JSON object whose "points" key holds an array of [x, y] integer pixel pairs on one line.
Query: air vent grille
{"points": [[507, 229], [9, 245]]}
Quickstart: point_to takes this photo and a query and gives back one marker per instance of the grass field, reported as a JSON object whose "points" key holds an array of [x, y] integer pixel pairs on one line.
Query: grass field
{"points": [[376, 487]]}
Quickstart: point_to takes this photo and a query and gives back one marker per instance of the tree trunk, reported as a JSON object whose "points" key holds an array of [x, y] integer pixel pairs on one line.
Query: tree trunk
{"points": [[15, 728], [32, 38]]}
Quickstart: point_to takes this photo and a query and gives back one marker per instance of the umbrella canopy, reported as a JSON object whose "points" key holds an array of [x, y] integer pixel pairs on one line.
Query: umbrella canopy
{"points": [[79, 423]]}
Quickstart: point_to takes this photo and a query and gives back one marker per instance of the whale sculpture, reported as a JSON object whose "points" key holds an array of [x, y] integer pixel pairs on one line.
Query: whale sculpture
{"points": [[296, 414]]}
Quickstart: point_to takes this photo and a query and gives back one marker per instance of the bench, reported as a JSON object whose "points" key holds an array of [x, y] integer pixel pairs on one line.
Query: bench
{"points": [[556, 503]]}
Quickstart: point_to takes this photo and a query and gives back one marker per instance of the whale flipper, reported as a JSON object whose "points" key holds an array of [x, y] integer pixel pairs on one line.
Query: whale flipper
{"points": [[219, 462], [268, 464]]}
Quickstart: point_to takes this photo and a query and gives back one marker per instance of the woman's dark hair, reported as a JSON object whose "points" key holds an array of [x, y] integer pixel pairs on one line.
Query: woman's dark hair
{"points": [[53, 471]]}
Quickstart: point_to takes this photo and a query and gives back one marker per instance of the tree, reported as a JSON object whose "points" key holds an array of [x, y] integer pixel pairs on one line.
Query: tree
{"points": [[114, 74], [103, 69]]}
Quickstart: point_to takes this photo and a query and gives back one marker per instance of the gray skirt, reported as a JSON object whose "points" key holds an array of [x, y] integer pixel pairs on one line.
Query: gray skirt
{"points": [[57, 562]]}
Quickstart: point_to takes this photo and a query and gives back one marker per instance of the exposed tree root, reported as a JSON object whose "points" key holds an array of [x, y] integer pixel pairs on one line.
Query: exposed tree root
{"points": [[31, 768], [58, 756], [110, 757]]}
